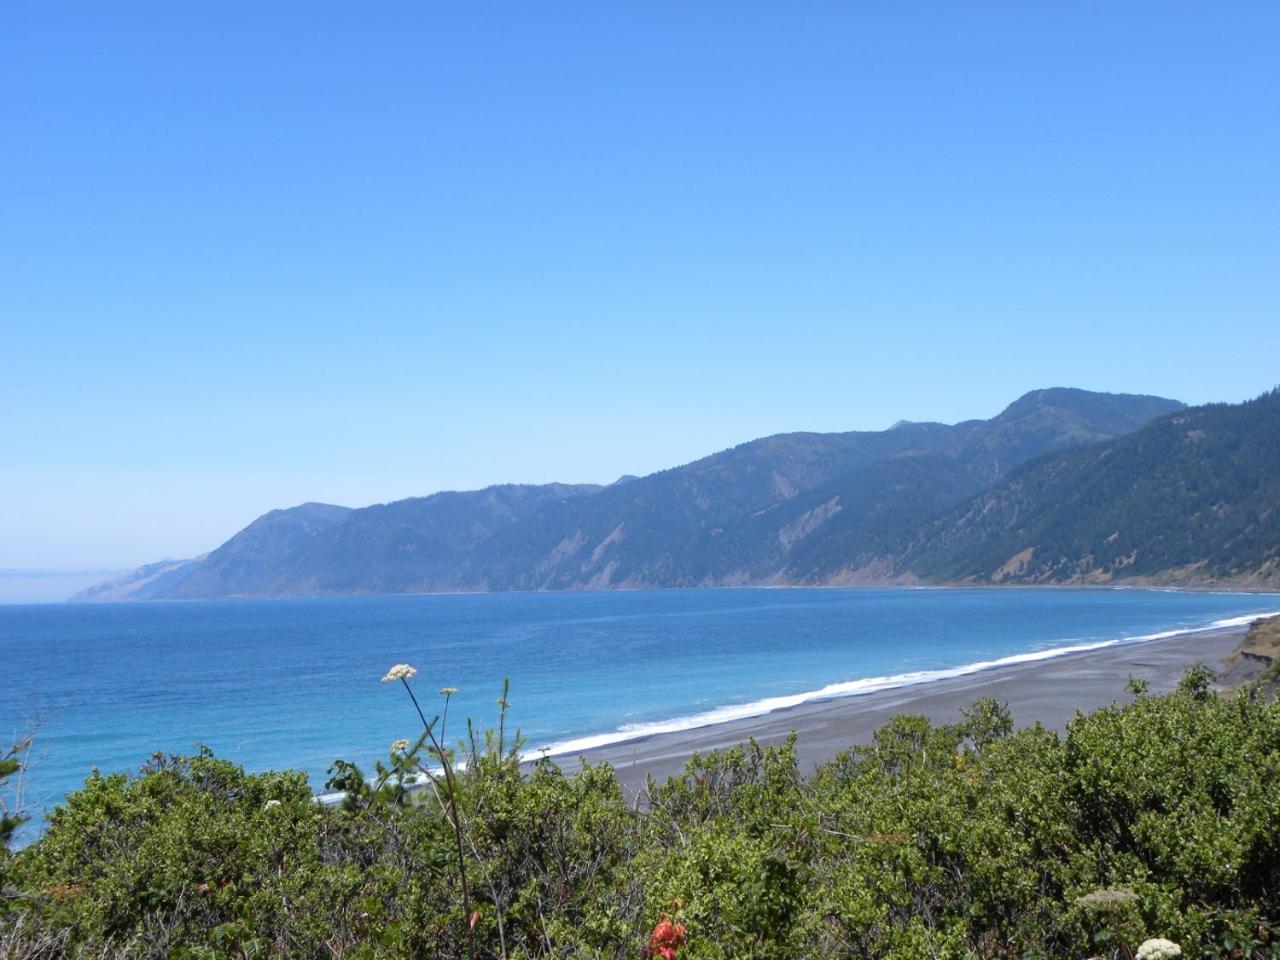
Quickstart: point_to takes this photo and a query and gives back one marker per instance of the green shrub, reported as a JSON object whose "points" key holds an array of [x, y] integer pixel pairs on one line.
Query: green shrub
{"points": [[1155, 818]]}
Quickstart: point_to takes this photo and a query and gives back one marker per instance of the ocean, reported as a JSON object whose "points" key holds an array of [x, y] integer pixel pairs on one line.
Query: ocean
{"points": [[295, 683]]}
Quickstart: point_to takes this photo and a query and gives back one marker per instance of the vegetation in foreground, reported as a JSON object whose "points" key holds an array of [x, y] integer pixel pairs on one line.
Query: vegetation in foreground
{"points": [[1158, 818]]}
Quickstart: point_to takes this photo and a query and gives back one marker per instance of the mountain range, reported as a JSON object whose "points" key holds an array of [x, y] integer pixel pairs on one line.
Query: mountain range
{"points": [[1063, 486]]}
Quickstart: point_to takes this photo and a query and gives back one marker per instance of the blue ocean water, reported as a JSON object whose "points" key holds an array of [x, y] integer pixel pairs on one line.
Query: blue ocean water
{"points": [[295, 683]]}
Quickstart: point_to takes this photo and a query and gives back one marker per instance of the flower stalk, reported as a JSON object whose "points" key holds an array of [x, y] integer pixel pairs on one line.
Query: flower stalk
{"points": [[404, 673]]}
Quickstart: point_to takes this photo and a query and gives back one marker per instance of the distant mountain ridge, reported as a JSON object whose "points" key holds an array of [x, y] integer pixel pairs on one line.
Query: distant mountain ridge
{"points": [[735, 517], [787, 509], [1192, 498]]}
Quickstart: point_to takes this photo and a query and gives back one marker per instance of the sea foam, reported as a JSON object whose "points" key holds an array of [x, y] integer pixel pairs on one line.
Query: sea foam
{"points": [[853, 688]]}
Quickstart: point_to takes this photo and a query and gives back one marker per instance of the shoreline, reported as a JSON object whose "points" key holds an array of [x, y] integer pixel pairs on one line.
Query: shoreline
{"points": [[1227, 587], [1045, 687], [733, 712]]}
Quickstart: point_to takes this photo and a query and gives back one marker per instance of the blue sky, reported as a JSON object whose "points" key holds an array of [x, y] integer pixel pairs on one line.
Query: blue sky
{"points": [[257, 254]]}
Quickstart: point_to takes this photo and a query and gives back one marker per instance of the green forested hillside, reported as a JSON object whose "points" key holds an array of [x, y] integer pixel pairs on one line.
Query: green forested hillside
{"points": [[798, 507], [1192, 497], [419, 544], [1064, 486], [736, 517]]}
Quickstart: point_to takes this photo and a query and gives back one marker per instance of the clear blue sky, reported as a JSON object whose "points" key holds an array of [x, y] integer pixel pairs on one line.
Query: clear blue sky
{"points": [[255, 254]]}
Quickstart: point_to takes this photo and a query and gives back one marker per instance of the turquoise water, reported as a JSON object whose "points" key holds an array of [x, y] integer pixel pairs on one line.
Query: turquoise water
{"points": [[295, 683]]}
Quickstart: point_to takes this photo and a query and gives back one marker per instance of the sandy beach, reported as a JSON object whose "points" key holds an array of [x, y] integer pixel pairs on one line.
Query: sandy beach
{"points": [[1048, 691]]}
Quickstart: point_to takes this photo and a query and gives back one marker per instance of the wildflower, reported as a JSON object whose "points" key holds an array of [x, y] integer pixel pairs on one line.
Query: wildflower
{"points": [[666, 937], [401, 671], [448, 691], [270, 804], [1158, 949], [1109, 899], [399, 746]]}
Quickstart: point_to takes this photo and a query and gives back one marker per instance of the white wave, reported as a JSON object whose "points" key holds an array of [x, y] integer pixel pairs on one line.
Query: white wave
{"points": [[852, 688], [416, 782]]}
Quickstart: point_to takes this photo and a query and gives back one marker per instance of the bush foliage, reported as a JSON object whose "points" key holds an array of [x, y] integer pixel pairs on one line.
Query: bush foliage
{"points": [[1155, 818]]}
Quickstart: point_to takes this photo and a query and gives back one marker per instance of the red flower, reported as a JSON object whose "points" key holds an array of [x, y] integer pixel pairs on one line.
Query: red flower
{"points": [[666, 937]]}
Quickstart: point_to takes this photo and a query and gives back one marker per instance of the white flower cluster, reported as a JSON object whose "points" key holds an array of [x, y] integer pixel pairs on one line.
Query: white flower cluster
{"points": [[271, 804], [399, 746], [1109, 899], [401, 671], [1158, 949]]}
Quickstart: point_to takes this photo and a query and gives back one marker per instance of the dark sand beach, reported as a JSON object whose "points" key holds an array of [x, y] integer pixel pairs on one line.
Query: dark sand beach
{"points": [[1048, 691]]}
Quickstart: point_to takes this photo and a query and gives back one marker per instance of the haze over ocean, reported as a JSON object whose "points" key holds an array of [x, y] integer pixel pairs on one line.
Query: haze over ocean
{"points": [[295, 683]]}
